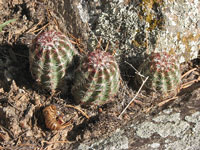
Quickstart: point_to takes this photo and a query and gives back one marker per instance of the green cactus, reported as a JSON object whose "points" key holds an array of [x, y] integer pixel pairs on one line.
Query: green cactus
{"points": [[96, 79], [49, 58], [164, 73]]}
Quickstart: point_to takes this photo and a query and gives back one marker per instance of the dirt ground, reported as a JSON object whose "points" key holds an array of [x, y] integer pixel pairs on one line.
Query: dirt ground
{"points": [[22, 123]]}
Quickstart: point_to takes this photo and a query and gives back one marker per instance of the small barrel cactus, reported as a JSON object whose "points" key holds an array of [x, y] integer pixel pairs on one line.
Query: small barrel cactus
{"points": [[96, 79], [49, 57], [164, 73]]}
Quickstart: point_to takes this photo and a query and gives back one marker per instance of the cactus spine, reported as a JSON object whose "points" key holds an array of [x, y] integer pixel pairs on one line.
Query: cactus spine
{"points": [[49, 57], [164, 73], [96, 79]]}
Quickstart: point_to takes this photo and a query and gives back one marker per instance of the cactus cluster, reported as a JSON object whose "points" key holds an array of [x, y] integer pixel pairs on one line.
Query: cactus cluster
{"points": [[164, 73], [96, 79], [49, 58]]}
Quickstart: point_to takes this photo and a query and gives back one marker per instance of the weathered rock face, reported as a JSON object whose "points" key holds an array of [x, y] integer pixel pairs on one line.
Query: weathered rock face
{"points": [[168, 130], [134, 28], [181, 33], [152, 26], [72, 17]]}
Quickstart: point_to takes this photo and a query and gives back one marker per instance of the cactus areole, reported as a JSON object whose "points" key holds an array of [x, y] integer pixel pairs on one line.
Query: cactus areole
{"points": [[164, 73], [97, 78], [49, 57]]}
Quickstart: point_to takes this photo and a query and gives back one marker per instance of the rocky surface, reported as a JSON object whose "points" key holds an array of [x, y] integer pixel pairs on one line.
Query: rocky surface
{"points": [[133, 28], [168, 130]]}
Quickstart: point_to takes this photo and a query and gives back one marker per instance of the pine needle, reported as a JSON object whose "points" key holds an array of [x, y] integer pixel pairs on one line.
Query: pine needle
{"points": [[5, 23]]}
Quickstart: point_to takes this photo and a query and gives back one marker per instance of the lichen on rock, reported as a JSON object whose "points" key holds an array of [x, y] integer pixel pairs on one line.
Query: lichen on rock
{"points": [[133, 28], [139, 27], [181, 35]]}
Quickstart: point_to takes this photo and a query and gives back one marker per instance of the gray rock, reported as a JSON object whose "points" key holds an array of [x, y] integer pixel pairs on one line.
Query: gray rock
{"points": [[134, 28], [175, 133], [172, 126], [114, 142]]}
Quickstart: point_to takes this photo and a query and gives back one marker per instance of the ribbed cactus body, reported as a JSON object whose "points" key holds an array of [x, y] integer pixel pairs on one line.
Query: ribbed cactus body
{"points": [[49, 57], [97, 78], [164, 73]]}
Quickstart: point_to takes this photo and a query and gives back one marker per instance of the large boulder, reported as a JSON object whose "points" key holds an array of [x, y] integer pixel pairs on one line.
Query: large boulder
{"points": [[134, 28]]}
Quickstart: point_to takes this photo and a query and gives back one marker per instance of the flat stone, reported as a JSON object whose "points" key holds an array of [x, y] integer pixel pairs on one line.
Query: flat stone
{"points": [[175, 133], [116, 141]]}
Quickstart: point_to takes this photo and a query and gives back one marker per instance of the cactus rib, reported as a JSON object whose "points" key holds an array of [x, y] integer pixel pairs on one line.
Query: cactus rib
{"points": [[164, 73], [96, 79], [49, 57]]}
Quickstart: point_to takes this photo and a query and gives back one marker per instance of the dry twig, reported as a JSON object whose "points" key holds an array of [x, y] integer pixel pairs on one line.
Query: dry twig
{"points": [[166, 101], [41, 29], [107, 45], [83, 113], [99, 44], [31, 30], [55, 142], [134, 97], [188, 72], [8, 131], [138, 102], [134, 69], [77, 42], [186, 85]]}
